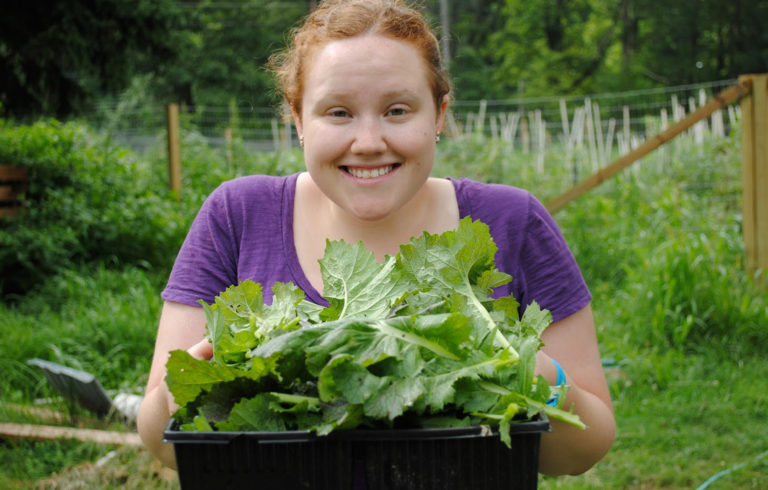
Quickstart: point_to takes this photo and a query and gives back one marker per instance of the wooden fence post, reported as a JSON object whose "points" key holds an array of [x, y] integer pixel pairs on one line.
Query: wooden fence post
{"points": [[174, 148], [754, 158]]}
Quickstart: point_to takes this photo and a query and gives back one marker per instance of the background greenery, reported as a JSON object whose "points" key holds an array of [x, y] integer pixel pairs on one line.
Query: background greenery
{"points": [[64, 59], [680, 326]]}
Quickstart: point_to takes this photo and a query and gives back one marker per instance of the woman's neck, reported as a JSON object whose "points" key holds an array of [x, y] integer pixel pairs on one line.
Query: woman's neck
{"points": [[432, 209]]}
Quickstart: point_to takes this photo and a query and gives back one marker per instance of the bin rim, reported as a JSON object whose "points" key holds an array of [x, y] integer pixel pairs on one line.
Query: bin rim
{"points": [[539, 423]]}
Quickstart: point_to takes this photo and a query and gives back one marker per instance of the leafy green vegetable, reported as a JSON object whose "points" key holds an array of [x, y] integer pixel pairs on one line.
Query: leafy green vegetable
{"points": [[415, 341]]}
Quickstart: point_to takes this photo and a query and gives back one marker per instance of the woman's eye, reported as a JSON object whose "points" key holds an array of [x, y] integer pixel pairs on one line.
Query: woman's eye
{"points": [[397, 111], [339, 113]]}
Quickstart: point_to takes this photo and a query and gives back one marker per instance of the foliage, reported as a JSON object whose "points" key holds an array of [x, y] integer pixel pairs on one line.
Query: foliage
{"points": [[521, 48], [673, 254], [86, 200], [62, 61], [23, 462], [90, 200], [691, 42], [562, 44], [226, 48], [57, 59], [414, 341]]}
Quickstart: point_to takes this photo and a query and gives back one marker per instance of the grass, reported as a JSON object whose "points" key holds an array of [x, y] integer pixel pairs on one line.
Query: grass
{"points": [[680, 327], [706, 421], [80, 467], [95, 319]]}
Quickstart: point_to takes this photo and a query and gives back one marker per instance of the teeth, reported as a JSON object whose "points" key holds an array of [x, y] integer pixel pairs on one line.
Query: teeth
{"points": [[369, 173]]}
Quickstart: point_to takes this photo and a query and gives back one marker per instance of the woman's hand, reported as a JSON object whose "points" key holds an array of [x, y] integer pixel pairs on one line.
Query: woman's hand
{"points": [[202, 350], [545, 367]]}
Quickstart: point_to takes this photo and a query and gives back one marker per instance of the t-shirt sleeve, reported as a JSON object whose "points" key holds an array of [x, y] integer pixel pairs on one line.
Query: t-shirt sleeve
{"points": [[549, 272], [206, 262]]}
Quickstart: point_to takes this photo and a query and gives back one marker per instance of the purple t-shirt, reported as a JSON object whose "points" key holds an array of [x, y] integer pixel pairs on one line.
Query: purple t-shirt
{"points": [[244, 230]]}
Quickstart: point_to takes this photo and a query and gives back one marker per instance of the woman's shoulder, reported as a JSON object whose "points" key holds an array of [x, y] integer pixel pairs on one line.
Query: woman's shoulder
{"points": [[254, 187], [490, 199], [256, 183]]}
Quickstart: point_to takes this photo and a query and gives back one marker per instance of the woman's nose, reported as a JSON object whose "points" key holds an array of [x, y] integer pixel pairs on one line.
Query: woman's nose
{"points": [[369, 137]]}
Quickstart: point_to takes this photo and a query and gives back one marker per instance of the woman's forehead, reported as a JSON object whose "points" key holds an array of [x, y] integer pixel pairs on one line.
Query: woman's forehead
{"points": [[366, 59]]}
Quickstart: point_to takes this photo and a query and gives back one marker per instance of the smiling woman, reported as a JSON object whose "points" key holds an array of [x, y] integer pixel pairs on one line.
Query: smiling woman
{"points": [[368, 94]]}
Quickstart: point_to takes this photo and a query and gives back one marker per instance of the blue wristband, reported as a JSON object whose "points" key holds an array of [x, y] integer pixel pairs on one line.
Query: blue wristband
{"points": [[560, 381], [560, 373]]}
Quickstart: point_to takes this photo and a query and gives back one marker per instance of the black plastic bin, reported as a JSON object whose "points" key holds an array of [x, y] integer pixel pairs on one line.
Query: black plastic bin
{"points": [[452, 458]]}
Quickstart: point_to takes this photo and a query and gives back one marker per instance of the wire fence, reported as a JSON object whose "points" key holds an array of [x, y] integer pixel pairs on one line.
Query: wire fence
{"points": [[599, 124]]}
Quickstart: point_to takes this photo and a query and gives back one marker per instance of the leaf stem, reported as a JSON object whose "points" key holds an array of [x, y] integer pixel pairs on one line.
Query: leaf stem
{"points": [[312, 401], [489, 321], [384, 327]]}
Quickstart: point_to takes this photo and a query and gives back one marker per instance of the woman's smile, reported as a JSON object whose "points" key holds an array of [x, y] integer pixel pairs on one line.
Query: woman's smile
{"points": [[367, 173]]}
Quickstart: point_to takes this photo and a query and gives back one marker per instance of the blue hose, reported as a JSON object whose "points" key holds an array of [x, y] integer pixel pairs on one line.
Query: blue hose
{"points": [[730, 470]]}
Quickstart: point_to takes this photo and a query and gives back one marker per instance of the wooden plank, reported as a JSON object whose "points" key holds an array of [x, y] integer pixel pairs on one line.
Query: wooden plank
{"points": [[40, 414], [8, 211], [13, 173], [760, 155], [748, 180], [52, 432], [717, 102], [7, 193]]}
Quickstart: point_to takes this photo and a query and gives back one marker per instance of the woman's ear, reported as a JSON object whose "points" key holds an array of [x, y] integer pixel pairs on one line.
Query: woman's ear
{"points": [[443, 111]]}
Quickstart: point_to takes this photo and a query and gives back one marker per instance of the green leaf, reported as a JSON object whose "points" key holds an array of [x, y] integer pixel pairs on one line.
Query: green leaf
{"points": [[457, 262], [187, 377], [442, 376], [396, 396], [344, 379], [527, 349], [198, 424], [536, 319], [255, 414], [356, 285]]}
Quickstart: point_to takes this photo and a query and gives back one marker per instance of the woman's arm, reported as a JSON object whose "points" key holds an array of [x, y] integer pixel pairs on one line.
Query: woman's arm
{"points": [[572, 342], [181, 327]]}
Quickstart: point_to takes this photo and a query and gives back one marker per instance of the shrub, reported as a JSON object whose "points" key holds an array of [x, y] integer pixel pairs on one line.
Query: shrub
{"points": [[87, 201]]}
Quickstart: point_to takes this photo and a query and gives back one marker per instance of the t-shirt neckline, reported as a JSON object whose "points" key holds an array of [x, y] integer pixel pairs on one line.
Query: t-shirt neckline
{"points": [[292, 256]]}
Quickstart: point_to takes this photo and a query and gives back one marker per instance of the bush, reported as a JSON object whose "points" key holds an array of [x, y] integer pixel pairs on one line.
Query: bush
{"points": [[693, 296], [87, 201]]}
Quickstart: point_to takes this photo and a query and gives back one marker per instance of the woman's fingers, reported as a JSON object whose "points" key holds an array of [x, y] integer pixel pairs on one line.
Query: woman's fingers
{"points": [[201, 350]]}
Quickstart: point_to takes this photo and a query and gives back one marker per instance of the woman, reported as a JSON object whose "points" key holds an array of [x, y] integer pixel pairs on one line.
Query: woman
{"points": [[368, 96]]}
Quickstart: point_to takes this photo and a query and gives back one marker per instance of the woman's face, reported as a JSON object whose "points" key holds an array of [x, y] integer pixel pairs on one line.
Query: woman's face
{"points": [[369, 121]]}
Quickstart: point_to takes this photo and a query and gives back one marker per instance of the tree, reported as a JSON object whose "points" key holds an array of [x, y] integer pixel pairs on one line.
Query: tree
{"points": [[553, 46], [226, 50], [686, 42], [57, 57]]}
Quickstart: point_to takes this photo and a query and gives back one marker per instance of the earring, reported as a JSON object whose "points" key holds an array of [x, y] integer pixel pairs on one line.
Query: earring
{"points": [[437, 137], [301, 141]]}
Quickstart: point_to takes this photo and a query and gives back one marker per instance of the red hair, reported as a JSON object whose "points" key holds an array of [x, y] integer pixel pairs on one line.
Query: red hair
{"points": [[342, 19]]}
